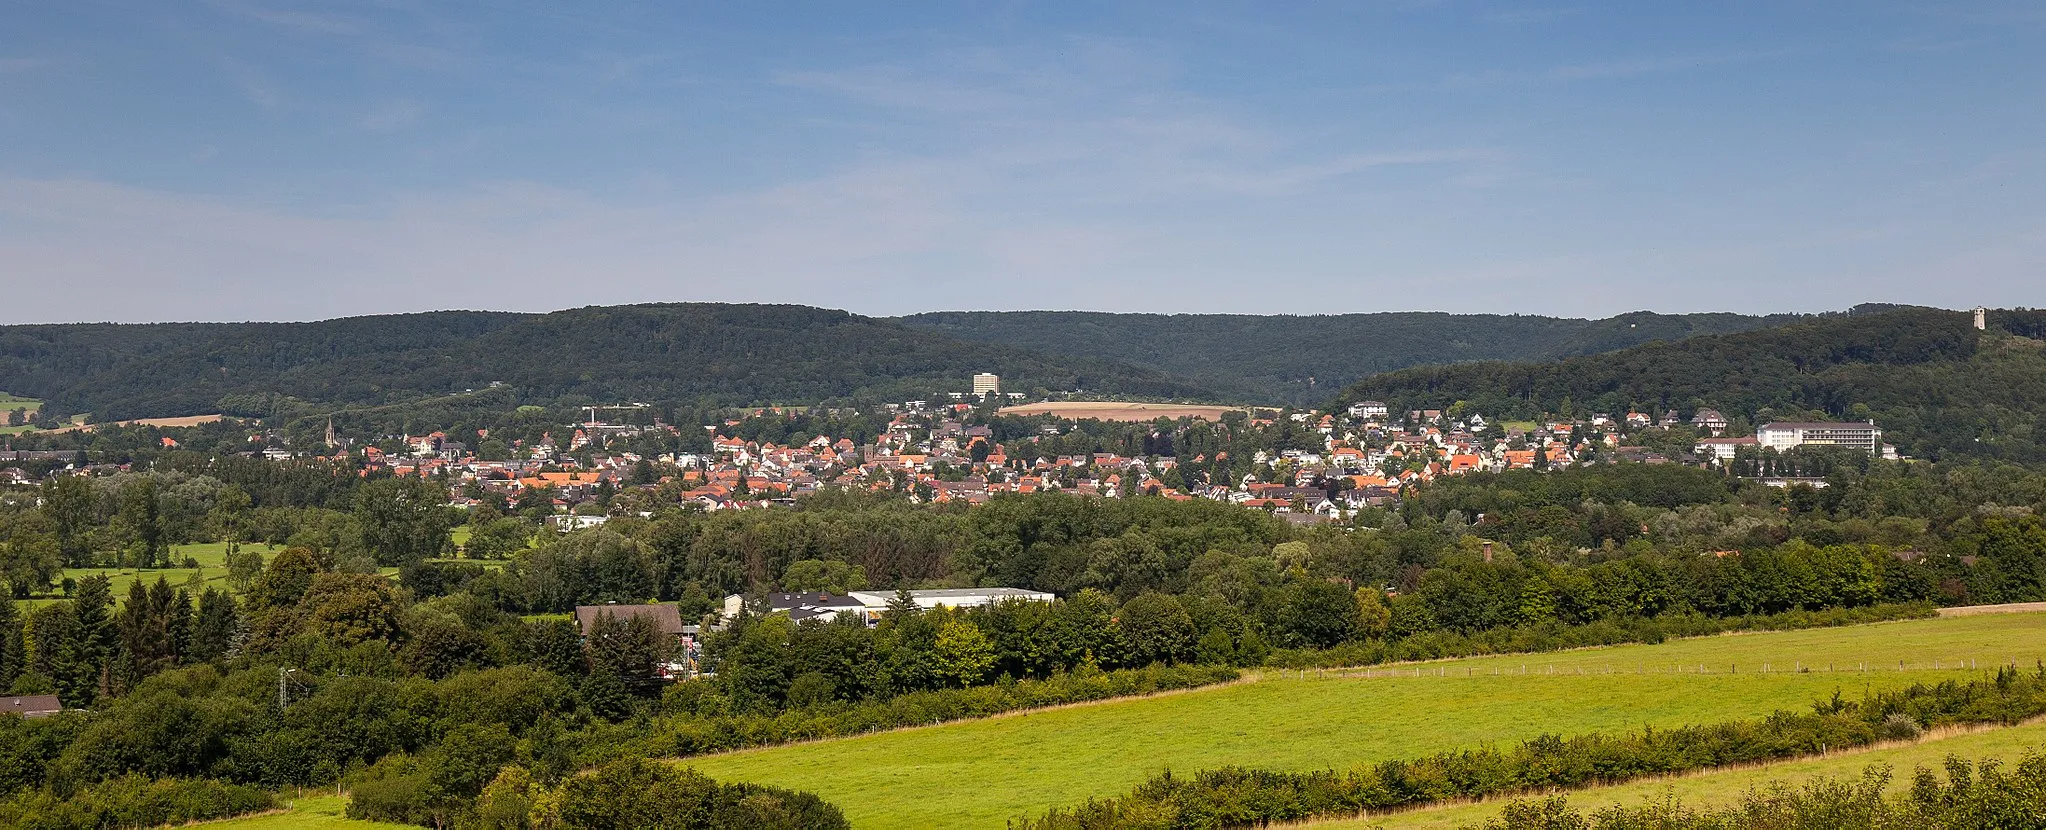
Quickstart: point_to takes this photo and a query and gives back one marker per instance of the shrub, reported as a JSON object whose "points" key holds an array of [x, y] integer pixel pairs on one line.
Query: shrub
{"points": [[133, 801], [634, 792]]}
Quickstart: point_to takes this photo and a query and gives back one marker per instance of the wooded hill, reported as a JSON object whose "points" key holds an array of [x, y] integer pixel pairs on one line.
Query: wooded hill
{"points": [[1937, 387], [727, 354], [1303, 360]]}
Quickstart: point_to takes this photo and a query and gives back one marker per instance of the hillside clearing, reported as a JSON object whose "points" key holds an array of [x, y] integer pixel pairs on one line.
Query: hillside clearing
{"points": [[1121, 411], [981, 773], [164, 423], [311, 812]]}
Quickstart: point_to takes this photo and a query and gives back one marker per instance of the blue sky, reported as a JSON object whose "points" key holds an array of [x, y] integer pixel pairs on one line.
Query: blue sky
{"points": [[252, 159]]}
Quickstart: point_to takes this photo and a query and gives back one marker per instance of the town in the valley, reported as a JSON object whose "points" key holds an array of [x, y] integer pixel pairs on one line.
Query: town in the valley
{"points": [[1306, 465]]}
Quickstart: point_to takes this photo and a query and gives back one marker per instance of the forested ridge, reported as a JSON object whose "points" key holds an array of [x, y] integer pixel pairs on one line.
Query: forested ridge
{"points": [[1302, 359], [691, 352], [1937, 387]]}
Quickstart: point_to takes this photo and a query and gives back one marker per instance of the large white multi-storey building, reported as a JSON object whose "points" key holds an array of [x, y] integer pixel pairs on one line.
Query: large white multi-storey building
{"points": [[1783, 436]]}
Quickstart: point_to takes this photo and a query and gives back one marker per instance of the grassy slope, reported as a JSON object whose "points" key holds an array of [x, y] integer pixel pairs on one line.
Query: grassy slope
{"points": [[981, 773], [9, 403], [1723, 786], [311, 812], [212, 558]]}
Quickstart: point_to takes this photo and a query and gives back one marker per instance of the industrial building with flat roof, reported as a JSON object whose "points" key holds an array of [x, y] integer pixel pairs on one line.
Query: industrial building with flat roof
{"points": [[870, 605]]}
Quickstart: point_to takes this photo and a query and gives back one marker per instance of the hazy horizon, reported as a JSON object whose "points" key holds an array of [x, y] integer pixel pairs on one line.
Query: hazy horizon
{"points": [[927, 311]]}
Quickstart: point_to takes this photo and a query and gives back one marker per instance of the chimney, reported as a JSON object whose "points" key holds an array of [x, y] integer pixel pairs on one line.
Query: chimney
{"points": [[1488, 552]]}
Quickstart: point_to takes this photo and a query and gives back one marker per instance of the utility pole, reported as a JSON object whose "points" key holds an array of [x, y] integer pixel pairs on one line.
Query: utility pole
{"points": [[283, 690]]}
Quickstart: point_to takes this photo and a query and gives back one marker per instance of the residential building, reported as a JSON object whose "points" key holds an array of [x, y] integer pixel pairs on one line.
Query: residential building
{"points": [[1710, 421], [985, 384], [1723, 449], [1368, 410]]}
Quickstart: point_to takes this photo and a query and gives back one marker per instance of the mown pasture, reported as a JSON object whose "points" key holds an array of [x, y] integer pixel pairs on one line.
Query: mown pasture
{"points": [[981, 773]]}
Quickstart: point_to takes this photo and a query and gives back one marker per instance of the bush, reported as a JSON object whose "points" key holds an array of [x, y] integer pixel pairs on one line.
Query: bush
{"points": [[133, 801], [634, 792]]}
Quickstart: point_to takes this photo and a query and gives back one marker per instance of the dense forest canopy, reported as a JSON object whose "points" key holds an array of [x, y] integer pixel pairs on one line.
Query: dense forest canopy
{"points": [[728, 354], [710, 353], [1302, 359], [1937, 387]]}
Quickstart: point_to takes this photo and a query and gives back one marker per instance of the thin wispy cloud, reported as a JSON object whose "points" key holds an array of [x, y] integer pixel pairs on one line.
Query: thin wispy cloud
{"points": [[1521, 17], [255, 86], [391, 116], [1612, 69], [291, 19]]}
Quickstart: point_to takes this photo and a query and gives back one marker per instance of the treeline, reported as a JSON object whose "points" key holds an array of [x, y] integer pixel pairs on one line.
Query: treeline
{"points": [[135, 520], [1239, 797], [1938, 388], [1301, 360], [672, 353], [1983, 796]]}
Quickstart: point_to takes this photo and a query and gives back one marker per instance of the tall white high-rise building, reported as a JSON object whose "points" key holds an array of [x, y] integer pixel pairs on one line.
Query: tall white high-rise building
{"points": [[986, 383]]}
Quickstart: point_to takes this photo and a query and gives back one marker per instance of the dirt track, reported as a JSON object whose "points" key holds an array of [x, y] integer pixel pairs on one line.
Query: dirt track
{"points": [[1978, 610]]}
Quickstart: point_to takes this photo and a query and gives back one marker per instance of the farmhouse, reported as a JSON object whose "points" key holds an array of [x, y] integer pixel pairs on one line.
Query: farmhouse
{"points": [[665, 618], [31, 706]]}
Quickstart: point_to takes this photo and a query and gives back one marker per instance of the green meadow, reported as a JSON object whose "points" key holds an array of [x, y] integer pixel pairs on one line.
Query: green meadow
{"points": [[981, 773], [212, 571], [308, 812], [9, 403]]}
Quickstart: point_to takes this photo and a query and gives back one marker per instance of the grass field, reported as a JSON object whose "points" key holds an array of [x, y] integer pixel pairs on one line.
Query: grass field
{"points": [[9, 403], [306, 813], [1720, 787], [212, 571], [981, 773]]}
